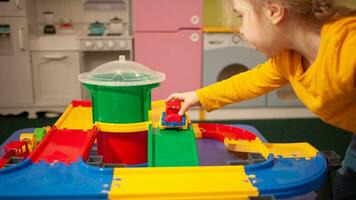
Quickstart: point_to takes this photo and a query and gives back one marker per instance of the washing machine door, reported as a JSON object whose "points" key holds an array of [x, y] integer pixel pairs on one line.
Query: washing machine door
{"points": [[224, 62]]}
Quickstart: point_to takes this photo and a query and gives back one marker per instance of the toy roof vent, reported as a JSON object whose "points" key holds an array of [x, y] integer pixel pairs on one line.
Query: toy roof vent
{"points": [[121, 73]]}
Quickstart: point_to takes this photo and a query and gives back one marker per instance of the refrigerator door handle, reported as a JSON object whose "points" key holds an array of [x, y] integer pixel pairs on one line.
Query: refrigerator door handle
{"points": [[21, 39], [18, 4]]}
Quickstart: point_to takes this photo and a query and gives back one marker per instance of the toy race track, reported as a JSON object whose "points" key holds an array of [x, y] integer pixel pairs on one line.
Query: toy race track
{"points": [[199, 161]]}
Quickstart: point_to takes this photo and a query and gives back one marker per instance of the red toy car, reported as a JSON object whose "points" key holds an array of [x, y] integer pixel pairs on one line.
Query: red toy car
{"points": [[5, 158], [14, 149], [172, 109], [19, 149]]}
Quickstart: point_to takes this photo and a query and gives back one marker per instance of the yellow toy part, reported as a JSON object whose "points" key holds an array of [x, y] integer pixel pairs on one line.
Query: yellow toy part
{"points": [[218, 182], [47, 128], [122, 128], [290, 150], [197, 131], [157, 107], [202, 116], [30, 139], [75, 118]]}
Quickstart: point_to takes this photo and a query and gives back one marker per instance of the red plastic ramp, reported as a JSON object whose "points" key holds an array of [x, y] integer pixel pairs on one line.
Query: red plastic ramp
{"points": [[220, 132], [64, 146]]}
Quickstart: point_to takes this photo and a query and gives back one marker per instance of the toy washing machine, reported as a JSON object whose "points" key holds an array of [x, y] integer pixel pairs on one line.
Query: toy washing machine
{"points": [[224, 58]]}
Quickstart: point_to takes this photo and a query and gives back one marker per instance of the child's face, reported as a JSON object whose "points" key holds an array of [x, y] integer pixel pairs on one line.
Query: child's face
{"points": [[256, 28]]}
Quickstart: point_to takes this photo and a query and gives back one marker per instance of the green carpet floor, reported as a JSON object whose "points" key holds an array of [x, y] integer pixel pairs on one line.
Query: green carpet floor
{"points": [[10, 123], [319, 134]]}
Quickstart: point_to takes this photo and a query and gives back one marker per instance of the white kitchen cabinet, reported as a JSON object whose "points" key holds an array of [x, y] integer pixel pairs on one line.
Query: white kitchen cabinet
{"points": [[15, 68], [55, 76], [10, 8]]}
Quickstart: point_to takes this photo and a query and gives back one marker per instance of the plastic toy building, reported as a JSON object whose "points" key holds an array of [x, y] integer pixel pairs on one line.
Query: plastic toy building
{"points": [[170, 118], [115, 148]]}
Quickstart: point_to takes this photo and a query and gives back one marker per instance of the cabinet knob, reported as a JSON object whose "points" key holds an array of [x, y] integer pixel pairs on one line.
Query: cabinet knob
{"points": [[100, 44], [88, 44], [111, 44], [122, 44], [194, 20], [194, 37]]}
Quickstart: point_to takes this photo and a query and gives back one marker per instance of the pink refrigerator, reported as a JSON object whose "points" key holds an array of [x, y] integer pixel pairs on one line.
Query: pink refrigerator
{"points": [[168, 38]]}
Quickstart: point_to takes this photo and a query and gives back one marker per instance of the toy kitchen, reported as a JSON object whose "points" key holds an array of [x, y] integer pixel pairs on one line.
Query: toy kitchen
{"points": [[100, 45], [51, 42]]}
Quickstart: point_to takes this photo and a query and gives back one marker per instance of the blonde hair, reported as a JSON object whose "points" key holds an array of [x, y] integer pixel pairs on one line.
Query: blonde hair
{"points": [[313, 12], [317, 12]]}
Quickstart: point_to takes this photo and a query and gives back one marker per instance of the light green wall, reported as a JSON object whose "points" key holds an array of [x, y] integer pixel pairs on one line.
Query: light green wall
{"points": [[212, 13]]}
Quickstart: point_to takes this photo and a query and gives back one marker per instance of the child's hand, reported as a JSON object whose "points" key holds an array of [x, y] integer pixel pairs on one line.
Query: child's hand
{"points": [[189, 99]]}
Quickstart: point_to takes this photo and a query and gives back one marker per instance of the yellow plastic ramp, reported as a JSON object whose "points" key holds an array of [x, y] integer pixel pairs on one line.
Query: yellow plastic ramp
{"points": [[287, 150], [223, 182], [75, 118]]}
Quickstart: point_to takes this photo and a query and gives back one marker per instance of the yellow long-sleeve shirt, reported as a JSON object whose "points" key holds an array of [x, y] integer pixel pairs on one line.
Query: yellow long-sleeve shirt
{"points": [[327, 88]]}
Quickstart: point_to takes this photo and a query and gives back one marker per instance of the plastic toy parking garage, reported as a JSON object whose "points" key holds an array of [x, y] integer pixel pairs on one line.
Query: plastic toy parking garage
{"points": [[120, 145]]}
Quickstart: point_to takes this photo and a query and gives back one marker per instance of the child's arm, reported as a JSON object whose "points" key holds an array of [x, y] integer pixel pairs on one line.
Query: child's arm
{"points": [[255, 82], [247, 85], [189, 99]]}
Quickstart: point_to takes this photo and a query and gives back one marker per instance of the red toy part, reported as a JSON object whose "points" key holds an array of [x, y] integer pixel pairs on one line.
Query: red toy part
{"points": [[14, 149], [77, 103], [17, 149], [172, 109], [123, 148], [5, 158], [220, 132], [64, 146]]}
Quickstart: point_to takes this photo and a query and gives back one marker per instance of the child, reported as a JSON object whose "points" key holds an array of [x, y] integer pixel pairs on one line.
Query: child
{"points": [[312, 45]]}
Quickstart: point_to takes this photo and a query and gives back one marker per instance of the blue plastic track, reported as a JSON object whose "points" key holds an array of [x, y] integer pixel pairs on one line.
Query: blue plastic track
{"points": [[288, 177], [42, 180]]}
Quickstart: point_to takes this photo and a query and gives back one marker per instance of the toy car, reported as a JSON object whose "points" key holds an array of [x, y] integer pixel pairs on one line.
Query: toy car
{"points": [[14, 149], [19, 148], [171, 118], [172, 109]]}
